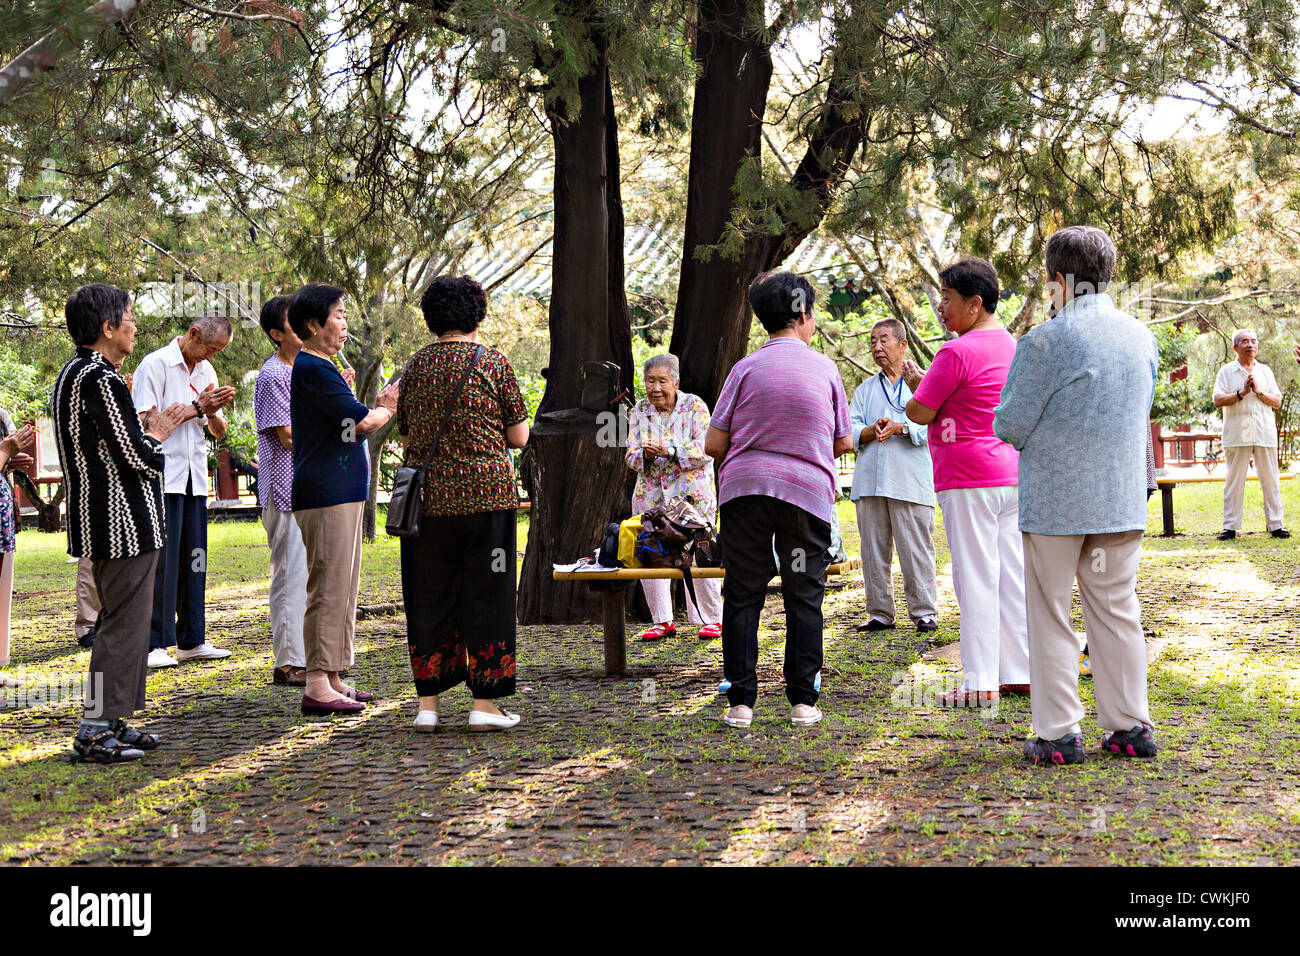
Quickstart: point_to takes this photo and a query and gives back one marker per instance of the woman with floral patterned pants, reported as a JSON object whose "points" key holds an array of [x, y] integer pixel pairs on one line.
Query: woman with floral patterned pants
{"points": [[458, 573]]}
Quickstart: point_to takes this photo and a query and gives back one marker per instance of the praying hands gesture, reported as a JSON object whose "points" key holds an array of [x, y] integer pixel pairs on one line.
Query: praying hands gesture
{"points": [[12, 445], [912, 374]]}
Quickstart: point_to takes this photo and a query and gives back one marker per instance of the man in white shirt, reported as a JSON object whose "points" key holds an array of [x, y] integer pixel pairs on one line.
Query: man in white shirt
{"points": [[180, 372], [893, 488], [1248, 394]]}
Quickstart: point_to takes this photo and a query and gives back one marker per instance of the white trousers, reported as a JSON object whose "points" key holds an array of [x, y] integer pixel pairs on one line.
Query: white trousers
{"points": [[659, 595], [288, 586], [1234, 485], [1106, 567], [988, 574]]}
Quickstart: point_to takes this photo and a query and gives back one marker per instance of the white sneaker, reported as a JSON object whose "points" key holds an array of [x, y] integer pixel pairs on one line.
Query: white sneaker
{"points": [[204, 652], [739, 716], [479, 720], [160, 658], [426, 721], [801, 715]]}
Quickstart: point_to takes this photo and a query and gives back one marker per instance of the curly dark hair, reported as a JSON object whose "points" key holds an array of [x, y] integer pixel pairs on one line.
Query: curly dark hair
{"points": [[453, 304]]}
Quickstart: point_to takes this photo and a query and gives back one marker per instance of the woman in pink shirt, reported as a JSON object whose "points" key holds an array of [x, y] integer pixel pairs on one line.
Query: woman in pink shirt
{"points": [[975, 478]]}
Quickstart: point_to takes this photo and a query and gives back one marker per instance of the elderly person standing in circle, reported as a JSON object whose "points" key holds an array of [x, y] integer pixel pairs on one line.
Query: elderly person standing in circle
{"points": [[893, 489], [1089, 372], [458, 573], [975, 477], [331, 481], [1248, 394], [665, 447]]}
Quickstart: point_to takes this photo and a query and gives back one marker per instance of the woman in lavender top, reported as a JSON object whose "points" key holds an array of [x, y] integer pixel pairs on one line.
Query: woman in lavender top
{"points": [[665, 447], [288, 598], [781, 421]]}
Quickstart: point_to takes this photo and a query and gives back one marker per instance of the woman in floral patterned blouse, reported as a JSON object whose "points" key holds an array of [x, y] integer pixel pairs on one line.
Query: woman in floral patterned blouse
{"points": [[665, 447], [458, 574], [11, 456]]}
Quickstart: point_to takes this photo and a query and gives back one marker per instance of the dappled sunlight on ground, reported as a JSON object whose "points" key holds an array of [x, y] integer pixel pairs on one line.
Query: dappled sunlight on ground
{"points": [[621, 770]]}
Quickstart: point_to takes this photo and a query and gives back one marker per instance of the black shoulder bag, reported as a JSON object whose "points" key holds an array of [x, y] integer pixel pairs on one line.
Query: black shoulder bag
{"points": [[407, 503]]}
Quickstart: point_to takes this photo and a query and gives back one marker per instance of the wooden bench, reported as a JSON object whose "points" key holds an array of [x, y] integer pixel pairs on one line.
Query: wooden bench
{"points": [[616, 582], [1167, 484]]}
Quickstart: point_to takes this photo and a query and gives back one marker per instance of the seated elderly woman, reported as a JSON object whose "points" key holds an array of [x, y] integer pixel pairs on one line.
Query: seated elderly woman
{"points": [[665, 447]]}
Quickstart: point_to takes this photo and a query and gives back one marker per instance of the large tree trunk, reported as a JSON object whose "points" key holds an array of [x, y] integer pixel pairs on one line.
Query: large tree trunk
{"points": [[711, 322], [575, 485]]}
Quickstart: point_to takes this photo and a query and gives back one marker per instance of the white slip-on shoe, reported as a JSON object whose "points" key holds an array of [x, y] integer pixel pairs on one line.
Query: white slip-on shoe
{"points": [[203, 652], [801, 715], [481, 720], [426, 721], [739, 716], [160, 658]]}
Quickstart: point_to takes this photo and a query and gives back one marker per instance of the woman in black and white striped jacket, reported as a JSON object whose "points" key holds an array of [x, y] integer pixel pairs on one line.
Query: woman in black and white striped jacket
{"points": [[113, 469]]}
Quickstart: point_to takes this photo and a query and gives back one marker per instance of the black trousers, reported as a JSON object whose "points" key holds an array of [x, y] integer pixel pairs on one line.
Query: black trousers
{"points": [[181, 580], [802, 540], [458, 583]]}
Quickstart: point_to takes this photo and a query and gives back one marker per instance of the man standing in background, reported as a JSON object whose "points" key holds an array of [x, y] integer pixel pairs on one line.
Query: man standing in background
{"points": [[1248, 394], [180, 372]]}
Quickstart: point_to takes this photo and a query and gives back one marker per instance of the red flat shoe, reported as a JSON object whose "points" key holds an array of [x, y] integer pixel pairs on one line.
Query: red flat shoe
{"points": [[658, 631], [967, 698], [709, 631], [362, 695], [1014, 690]]}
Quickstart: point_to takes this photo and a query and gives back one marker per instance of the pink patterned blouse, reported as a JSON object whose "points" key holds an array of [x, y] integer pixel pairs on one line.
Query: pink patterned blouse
{"points": [[688, 472]]}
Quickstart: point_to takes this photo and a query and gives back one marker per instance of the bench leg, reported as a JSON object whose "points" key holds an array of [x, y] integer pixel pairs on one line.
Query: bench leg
{"points": [[615, 633], [1167, 509]]}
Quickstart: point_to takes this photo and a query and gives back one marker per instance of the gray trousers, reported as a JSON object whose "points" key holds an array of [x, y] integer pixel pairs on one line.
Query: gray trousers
{"points": [[882, 524], [121, 648]]}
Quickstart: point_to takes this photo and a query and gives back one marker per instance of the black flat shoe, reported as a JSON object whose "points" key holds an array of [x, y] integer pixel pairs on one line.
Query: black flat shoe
{"points": [[1280, 533], [928, 624], [874, 625], [87, 639], [311, 707], [132, 737], [1227, 535]]}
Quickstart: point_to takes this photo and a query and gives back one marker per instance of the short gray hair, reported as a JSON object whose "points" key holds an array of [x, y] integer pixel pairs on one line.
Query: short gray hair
{"points": [[664, 360], [213, 327], [1084, 255], [1236, 336]]}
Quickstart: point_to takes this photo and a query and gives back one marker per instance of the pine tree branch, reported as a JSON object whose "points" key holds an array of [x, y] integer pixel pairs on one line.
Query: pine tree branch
{"points": [[42, 55]]}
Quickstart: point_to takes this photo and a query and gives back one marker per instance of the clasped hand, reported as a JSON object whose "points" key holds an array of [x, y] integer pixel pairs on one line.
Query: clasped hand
{"points": [[886, 428]]}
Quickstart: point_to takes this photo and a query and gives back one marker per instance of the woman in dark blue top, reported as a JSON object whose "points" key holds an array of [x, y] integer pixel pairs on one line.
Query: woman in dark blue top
{"points": [[331, 481]]}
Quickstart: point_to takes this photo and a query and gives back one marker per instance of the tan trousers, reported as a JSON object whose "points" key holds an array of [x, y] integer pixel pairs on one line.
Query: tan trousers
{"points": [[1106, 568], [1234, 485], [885, 524], [87, 597], [332, 537]]}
